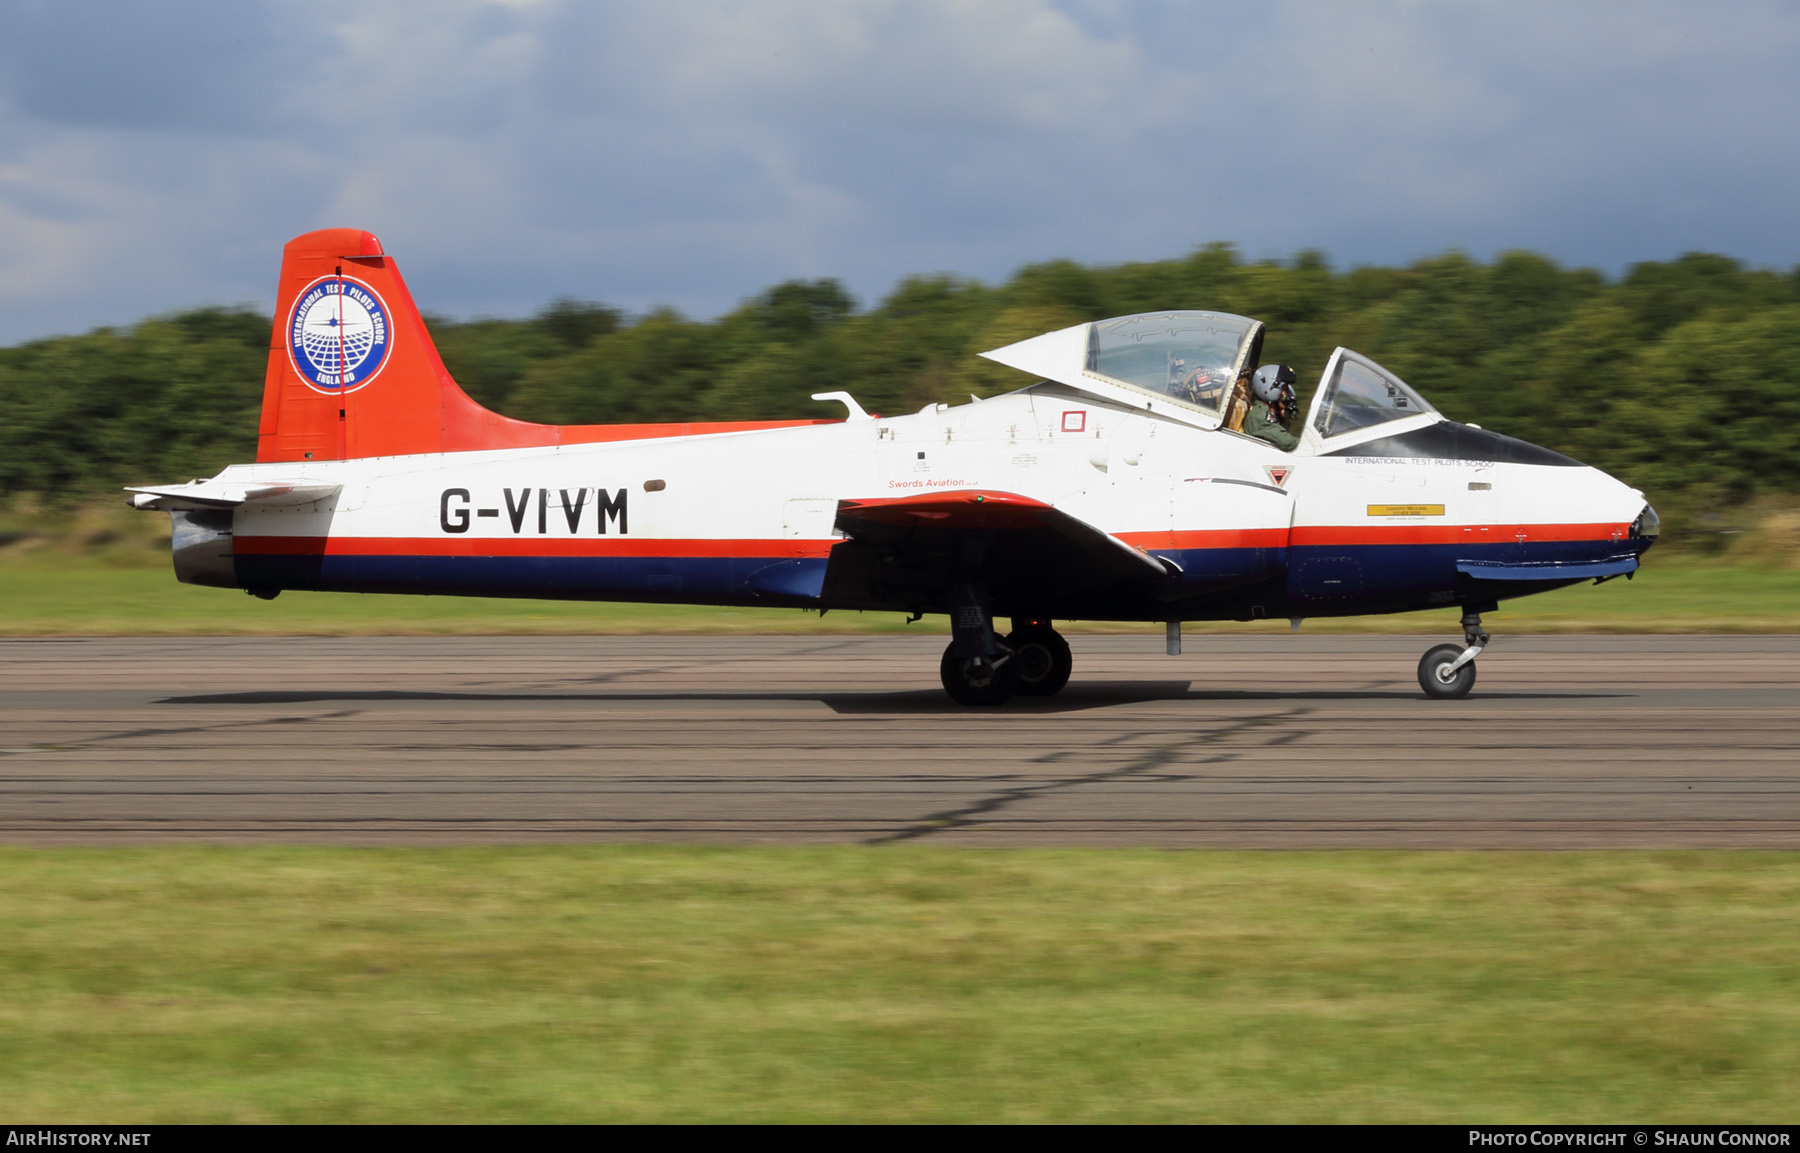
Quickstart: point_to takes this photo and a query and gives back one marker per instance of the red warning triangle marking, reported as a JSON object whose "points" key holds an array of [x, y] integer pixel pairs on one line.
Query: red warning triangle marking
{"points": [[1279, 473]]}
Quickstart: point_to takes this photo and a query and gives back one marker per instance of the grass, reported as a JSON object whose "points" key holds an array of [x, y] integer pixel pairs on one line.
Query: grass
{"points": [[912, 984], [133, 592]]}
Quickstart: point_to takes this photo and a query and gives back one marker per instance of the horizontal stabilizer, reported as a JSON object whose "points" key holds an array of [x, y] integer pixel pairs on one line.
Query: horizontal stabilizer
{"points": [[212, 494]]}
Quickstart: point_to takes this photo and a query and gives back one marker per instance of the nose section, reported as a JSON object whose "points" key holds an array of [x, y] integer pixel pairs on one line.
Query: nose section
{"points": [[1604, 498], [1578, 518]]}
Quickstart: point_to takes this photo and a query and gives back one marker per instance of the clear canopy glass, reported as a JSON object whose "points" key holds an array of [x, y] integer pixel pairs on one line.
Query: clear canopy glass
{"points": [[1360, 394], [1191, 357]]}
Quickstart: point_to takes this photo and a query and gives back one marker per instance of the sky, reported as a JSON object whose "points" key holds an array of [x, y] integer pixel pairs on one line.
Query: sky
{"points": [[155, 157]]}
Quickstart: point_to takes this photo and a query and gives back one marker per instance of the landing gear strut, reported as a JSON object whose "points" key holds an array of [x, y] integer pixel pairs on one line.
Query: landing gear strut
{"points": [[1447, 672], [976, 669]]}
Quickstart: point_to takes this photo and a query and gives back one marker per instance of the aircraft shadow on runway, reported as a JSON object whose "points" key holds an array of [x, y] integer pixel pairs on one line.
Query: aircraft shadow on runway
{"points": [[1077, 697]]}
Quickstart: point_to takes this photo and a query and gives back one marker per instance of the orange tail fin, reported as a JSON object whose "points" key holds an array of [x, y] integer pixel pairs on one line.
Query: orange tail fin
{"points": [[353, 373]]}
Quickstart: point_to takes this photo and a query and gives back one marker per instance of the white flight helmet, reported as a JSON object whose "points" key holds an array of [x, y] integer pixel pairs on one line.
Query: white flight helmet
{"points": [[1273, 382]]}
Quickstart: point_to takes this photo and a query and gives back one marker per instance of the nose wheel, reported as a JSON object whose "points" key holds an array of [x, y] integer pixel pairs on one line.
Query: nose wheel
{"points": [[1441, 677], [1447, 672]]}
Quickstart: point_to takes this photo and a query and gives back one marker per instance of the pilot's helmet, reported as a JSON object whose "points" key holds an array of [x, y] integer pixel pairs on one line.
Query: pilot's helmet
{"points": [[1273, 382]]}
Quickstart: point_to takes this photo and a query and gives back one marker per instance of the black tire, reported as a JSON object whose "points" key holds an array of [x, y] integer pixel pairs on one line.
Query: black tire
{"points": [[1431, 680], [967, 686], [1043, 659]]}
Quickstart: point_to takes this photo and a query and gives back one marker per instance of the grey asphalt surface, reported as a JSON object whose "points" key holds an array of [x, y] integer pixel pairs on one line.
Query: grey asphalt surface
{"points": [[1268, 741]]}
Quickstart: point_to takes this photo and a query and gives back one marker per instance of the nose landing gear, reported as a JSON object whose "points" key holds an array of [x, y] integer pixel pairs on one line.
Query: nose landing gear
{"points": [[1447, 672]]}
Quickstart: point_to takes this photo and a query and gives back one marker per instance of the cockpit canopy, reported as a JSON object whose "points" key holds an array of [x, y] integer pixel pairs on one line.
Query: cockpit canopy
{"points": [[1196, 367], [1192, 357], [1358, 394]]}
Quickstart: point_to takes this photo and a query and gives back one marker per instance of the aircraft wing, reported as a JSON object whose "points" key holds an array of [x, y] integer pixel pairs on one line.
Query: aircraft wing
{"points": [[204, 495], [1017, 545]]}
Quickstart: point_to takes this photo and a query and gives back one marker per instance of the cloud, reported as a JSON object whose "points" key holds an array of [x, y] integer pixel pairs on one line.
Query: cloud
{"points": [[156, 156], [220, 65]]}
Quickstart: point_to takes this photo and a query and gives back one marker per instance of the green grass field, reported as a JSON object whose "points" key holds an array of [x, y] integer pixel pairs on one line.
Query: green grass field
{"points": [[58, 593], [904, 984]]}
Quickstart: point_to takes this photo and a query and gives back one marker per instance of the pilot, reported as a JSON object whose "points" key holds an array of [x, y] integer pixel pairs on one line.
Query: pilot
{"points": [[1273, 408]]}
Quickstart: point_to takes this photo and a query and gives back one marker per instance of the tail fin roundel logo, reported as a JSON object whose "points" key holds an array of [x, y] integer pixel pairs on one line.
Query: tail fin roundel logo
{"points": [[338, 334]]}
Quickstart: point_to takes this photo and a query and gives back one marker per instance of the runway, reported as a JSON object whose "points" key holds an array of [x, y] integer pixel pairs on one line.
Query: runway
{"points": [[1268, 741]]}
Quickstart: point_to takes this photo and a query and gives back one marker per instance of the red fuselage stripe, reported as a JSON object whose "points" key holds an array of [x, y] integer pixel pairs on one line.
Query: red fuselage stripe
{"points": [[1314, 535], [524, 546], [1209, 538]]}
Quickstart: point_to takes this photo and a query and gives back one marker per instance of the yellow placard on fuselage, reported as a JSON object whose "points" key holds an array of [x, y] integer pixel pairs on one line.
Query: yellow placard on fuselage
{"points": [[1406, 510]]}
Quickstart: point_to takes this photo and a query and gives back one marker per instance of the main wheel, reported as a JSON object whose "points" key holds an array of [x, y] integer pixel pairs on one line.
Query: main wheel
{"points": [[1435, 679], [973, 682], [1043, 659]]}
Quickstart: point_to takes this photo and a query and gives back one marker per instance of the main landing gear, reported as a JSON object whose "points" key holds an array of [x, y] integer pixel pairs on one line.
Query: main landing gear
{"points": [[1042, 656], [981, 669], [978, 680], [1446, 671]]}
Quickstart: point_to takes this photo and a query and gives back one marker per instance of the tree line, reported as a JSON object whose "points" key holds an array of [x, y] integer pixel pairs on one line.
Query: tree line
{"points": [[1682, 377]]}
